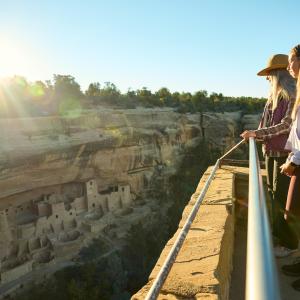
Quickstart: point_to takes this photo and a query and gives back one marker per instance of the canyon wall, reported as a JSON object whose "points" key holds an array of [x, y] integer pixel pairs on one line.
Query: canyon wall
{"points": [[66, 181]]}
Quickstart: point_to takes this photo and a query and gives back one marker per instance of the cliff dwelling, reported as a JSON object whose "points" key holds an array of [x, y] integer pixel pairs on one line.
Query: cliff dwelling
{"points": [[54, 225]]}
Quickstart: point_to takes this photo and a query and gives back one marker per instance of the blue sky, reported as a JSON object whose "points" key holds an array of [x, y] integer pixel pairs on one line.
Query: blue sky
{"points": [[185, 45]]}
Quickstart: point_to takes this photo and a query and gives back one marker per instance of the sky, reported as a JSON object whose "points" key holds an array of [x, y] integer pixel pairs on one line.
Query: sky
{"points": [[184, 45]]}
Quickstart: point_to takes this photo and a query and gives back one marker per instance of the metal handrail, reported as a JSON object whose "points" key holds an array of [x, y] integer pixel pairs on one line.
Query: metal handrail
{"points": [[261, 273], [165, 269], [262, 281]]}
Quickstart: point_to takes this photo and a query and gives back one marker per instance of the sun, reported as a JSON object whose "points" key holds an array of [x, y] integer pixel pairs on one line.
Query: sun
{"points": [[15, 59]]}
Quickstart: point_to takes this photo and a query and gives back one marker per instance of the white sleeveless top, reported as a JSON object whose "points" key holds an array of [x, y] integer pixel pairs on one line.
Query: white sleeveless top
{"points": [[293, 142]]}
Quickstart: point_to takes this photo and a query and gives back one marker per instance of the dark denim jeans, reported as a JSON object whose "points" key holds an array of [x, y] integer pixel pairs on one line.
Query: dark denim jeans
{"points": [[278, 185]]}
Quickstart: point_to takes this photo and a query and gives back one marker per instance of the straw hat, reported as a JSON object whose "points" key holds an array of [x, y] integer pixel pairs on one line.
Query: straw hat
{"points": [[277, 61]]}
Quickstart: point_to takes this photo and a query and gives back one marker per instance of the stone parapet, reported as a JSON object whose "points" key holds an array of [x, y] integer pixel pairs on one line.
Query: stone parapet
{"points": [[202, 269]]}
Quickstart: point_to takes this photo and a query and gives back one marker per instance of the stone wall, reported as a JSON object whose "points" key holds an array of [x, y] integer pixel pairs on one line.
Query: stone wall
{"points": [[202, 269], [16, 272]]}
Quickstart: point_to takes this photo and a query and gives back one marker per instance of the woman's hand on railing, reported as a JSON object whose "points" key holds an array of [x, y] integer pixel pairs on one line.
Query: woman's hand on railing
{"points": [[287, 169], [248, 134]]}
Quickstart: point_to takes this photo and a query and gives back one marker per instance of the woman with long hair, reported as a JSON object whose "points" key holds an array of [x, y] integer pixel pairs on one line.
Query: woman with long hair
{"points": [[292, 165], [274, 130]]}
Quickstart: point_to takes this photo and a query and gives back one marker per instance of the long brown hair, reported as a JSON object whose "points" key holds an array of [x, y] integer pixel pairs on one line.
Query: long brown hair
{"points": [[282, 85], [296, 51]]}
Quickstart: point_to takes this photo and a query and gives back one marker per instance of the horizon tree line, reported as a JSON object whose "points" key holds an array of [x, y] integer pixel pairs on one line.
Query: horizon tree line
{"points": [[63, 95]]}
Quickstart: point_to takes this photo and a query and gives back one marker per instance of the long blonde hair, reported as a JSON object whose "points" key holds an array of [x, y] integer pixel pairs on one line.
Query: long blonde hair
{"points": [[296, 51], [283, 85]]}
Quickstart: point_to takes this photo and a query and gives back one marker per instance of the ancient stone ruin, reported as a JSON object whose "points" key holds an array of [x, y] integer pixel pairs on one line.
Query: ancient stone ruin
{"points": [[38, 231]]}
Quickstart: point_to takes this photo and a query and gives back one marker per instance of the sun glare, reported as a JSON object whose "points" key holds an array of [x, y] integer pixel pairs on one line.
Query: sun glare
{"points": [[14, 59]]}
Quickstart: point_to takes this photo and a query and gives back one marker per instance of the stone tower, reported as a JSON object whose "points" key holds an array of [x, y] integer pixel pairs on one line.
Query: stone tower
{"points": [[91, 194], [4, 228]]}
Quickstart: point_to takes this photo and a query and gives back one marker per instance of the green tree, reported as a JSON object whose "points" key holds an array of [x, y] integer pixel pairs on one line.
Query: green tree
{"points": [[108, 94], [199, 100], [186, 102], [93, 90], [67, 95], [165, 97], [146, 98], [66, 86]]}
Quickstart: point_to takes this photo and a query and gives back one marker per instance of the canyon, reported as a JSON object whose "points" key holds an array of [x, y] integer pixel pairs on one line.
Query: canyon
{"points": [[88, 189]]}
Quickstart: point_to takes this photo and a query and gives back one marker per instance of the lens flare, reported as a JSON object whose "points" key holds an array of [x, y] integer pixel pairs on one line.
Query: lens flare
{"points": [[70, 108], [36, 90]]}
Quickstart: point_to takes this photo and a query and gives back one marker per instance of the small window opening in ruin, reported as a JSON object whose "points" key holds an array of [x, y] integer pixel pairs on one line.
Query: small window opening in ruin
{"points": [[91, 182], [71, 213], [122, 189], [93, 205], [106, 204], [56, 216]]}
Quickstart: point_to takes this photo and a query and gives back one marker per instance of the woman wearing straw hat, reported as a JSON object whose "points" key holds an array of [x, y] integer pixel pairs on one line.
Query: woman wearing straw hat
{"points": [[273, 131], [292, 165]]}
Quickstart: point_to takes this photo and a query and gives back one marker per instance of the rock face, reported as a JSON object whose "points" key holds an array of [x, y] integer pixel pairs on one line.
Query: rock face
{"points": [[64, 181], [48, 151], [220, 130], [250, 121]]}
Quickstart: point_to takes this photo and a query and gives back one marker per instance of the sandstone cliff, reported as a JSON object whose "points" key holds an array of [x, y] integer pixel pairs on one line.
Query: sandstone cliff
{"points": [[65, 181]]}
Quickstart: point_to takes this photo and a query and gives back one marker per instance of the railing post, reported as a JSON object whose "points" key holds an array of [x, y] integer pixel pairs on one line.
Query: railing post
{"points": [[261, 274]]}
